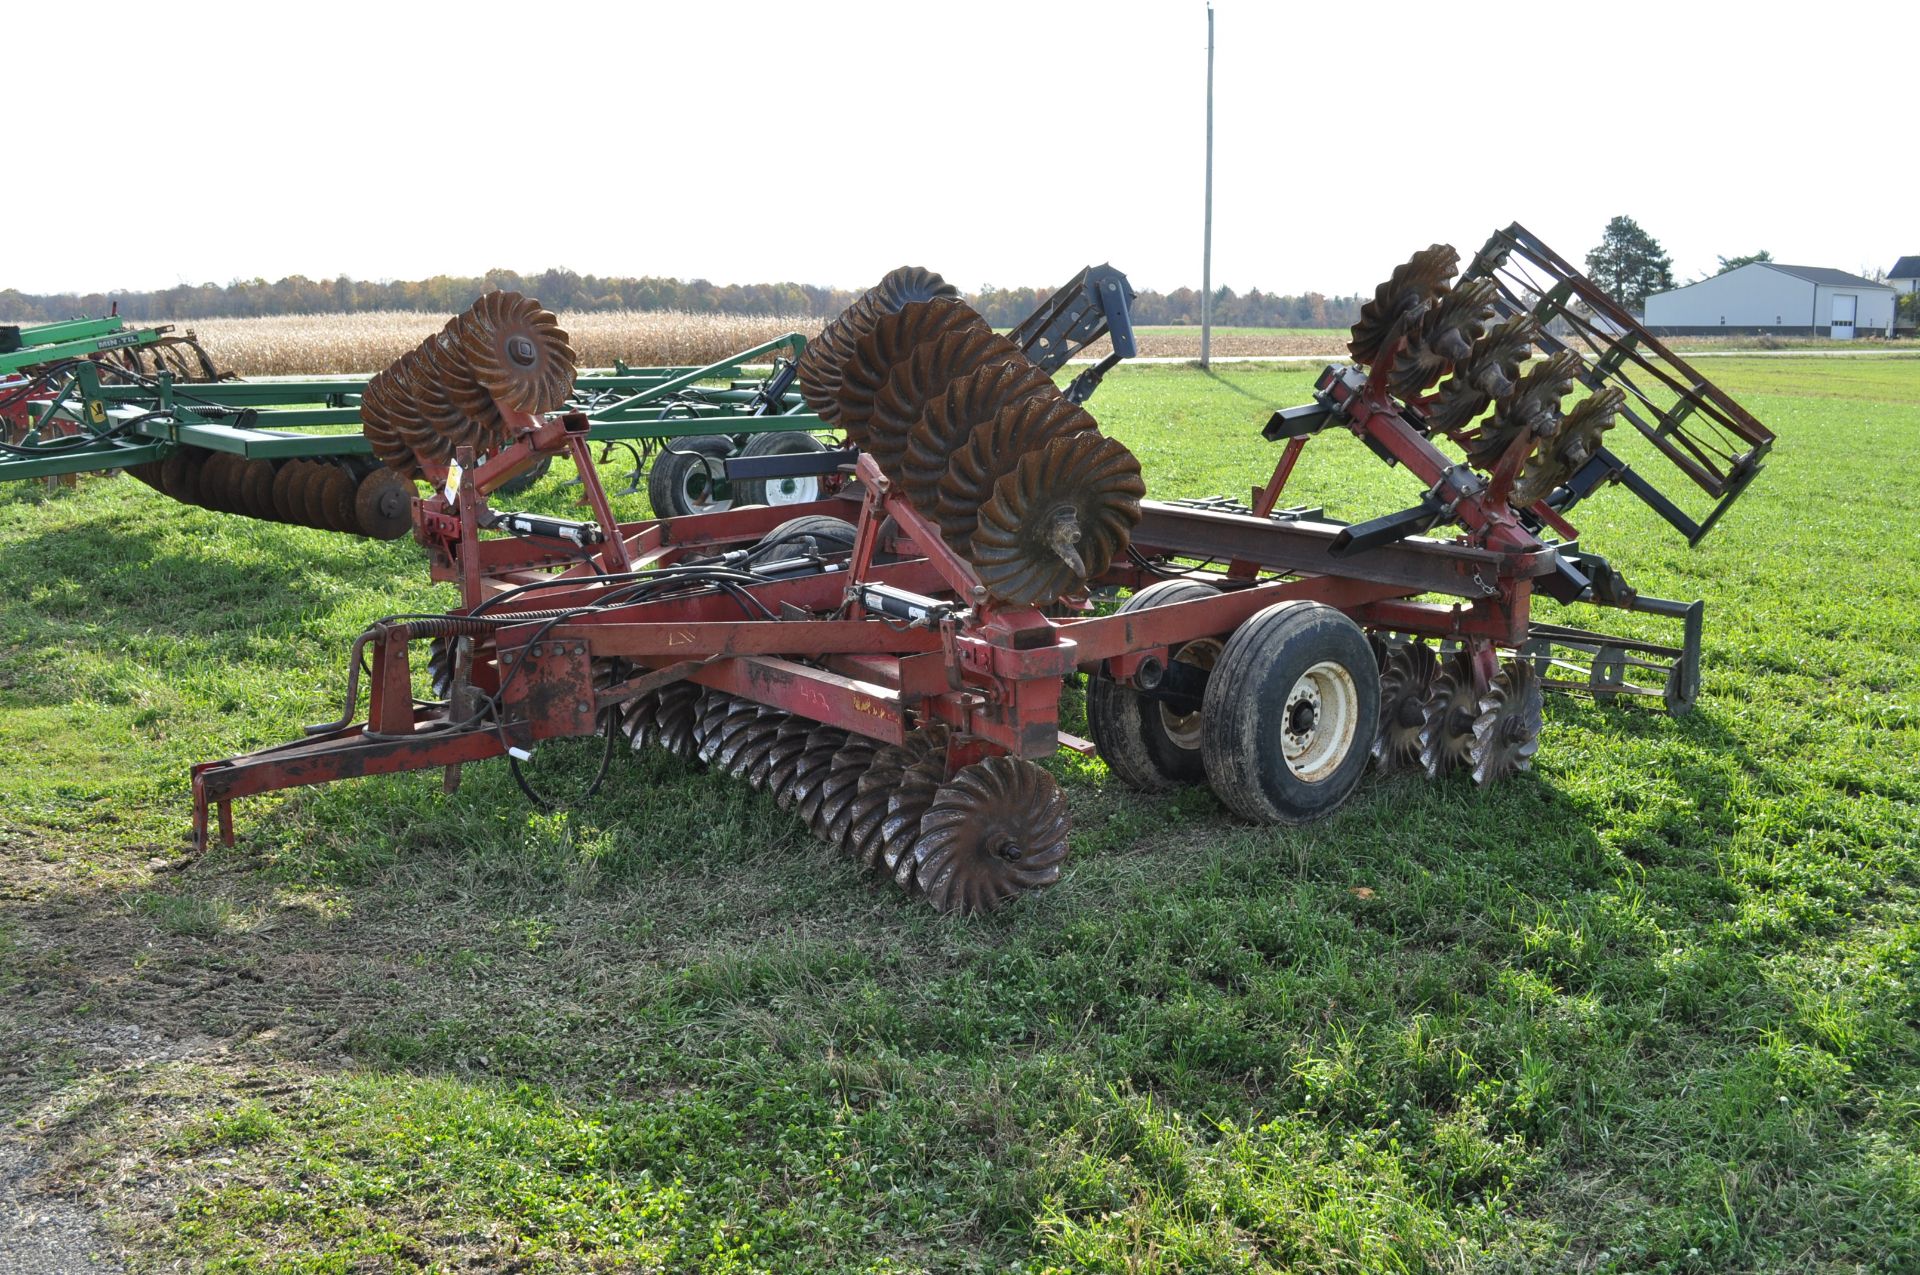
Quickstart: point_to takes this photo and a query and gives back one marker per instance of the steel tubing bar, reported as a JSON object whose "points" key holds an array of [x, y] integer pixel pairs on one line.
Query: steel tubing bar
{"points": [[1301, 547]]}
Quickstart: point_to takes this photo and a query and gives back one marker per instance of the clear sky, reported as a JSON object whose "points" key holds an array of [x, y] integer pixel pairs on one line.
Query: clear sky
{"points": [[1004, 143]]}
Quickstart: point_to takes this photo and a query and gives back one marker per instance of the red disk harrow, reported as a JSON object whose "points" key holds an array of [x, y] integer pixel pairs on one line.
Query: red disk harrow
{"points": [[888, 663]]}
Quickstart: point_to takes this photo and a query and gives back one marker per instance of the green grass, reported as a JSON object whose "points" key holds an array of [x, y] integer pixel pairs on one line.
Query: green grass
{"points": [[1649, 1008]]}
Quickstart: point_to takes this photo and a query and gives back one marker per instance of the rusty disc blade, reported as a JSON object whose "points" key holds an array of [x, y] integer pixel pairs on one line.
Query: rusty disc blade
{"points": [[900, 828], [823, 360], [751, 760], [256, 489], [730, 733], [1451, 707], [799, 785], [991, 453], [1560, 457], [462, 409], [783, 760], [220, 483], [173, 475], [1405, 678], [997, 829], [409, 414], [924, 376], [1532, 408], [286, 507], [1490, 372], [708, 716], [432, 385], [829, 812], [888, 344], [949, 420], [664, 718], [867, 812], [290, 493], [376, 422], [196, 475], [383, 505], [1400, 301], [336, 499], [518, 352], [441, 657], [1058, 519], [312, 489], [463, 388], [1506, 734], [1443, 337]]}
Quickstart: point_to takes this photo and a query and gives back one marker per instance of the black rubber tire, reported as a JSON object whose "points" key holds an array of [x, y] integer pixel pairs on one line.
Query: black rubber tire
{"points": [[667, 484], [525, 479], [780, 491], [811, 533], [1129, 729], [1243, 718]]}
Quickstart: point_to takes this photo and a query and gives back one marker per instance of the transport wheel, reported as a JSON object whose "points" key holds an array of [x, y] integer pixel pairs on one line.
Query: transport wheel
{"points": [[780, 491], [822, 534], [1146, 743], [525, 479], [688, 478], [1287, 724]]}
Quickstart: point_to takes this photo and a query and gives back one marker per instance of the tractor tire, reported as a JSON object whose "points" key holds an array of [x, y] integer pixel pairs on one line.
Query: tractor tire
{"points": [[780, 491], [1290, 712], [812, 533], [683, 482], [1146, 745]]}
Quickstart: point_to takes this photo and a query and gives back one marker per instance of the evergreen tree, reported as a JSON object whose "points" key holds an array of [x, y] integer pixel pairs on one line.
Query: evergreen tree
{"points": [[1630, 265], [1734, 263]]}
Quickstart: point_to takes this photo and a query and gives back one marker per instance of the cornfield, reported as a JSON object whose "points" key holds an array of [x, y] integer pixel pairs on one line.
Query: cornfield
{"points": [[312, 344]]}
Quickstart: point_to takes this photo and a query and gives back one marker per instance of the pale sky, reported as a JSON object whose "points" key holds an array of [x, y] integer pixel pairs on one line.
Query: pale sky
{"points": [[1004, 143]]}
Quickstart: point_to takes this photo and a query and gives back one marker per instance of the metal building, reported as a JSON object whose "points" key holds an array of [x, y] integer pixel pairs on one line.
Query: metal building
{"points": [[1765, 296]]}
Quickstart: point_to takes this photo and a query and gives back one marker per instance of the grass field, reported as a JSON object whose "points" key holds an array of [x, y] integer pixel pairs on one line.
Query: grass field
{"points": [[1651, 1007]]}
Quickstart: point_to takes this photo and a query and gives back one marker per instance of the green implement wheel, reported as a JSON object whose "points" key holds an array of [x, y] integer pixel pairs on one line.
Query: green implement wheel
{"points": [[688, 478], [799, 490]]}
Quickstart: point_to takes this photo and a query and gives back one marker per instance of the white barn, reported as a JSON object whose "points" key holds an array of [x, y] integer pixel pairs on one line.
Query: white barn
{"points": [[1767, 297], [1905, 275]]}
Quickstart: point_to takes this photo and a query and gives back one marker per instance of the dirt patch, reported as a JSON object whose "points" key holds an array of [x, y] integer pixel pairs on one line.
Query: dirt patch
{"points": [[43, 1233]]}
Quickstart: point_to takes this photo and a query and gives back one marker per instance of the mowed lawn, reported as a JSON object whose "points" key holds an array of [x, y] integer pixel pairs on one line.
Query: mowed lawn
{"points": [[1650, 1007]]}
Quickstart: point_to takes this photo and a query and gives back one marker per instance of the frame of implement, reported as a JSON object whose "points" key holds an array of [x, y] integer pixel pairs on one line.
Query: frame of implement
{"points": [[894, 683]]}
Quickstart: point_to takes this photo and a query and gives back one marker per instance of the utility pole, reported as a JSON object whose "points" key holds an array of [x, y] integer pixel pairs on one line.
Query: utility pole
{"points": [[1206, 249]]}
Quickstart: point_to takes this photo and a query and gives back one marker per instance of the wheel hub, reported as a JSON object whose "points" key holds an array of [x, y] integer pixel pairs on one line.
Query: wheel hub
{"points": [[1320, 722], [1184, 728]]}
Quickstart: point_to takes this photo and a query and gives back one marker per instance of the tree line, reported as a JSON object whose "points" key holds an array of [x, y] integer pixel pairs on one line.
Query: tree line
{"points": [[567, 290]]}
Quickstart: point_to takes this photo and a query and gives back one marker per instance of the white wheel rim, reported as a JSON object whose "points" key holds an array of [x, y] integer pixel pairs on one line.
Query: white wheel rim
{"points": [[792, 491], [1183, 729], [705, 476], [1319, 724]]}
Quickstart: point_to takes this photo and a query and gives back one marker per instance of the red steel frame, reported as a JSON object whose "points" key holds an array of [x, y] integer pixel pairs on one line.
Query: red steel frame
{"points": [[992, 673]]}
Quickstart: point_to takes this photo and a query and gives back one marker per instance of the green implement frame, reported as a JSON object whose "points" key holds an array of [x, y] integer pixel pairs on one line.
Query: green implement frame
{"points": [[75, 339], [80, 420]]}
